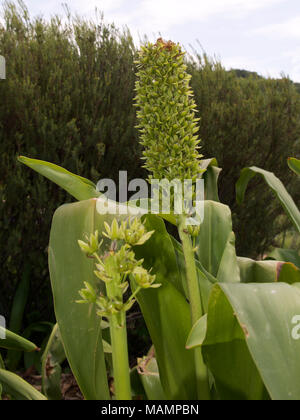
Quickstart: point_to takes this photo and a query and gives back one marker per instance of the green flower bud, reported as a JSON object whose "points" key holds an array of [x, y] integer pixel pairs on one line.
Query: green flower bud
{"points": [[193, 230], [115, 232], [88, 294], [125, 260], [92, 246], [115, 265], [144, 279], [136, 234], [166, 113]]}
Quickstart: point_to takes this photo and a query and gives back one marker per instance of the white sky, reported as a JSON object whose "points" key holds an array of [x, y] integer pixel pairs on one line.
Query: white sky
{"points": [[257, 35]]}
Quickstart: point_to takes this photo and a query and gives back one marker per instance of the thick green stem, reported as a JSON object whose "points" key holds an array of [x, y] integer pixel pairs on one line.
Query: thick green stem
{"points": [[196, 306], [119, 346]]}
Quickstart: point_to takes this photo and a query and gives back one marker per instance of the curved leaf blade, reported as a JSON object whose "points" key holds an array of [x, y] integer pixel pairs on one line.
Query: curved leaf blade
{"points": [[79, 326], [216, 243], [211, 176], [17, 314], [267, 271], [262, 316], [276, 186], [198, 333], [53, 356], [79, 187], [13, 341], [294, 165], [14, 385], [226, 354]]}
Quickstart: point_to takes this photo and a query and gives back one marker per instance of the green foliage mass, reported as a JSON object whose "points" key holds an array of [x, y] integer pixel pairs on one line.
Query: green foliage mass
{"points": [[68, 99]]}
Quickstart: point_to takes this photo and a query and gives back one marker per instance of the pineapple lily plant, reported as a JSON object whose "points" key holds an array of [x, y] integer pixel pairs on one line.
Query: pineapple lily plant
{"points": [[223, 327]]}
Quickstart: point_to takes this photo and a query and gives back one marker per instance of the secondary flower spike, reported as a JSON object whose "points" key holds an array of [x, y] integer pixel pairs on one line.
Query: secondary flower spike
{"points": [[166, 113]]}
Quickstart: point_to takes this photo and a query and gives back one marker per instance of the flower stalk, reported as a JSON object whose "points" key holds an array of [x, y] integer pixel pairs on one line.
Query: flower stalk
{"points": [[195, 304], [168, 132], [113, 268]]}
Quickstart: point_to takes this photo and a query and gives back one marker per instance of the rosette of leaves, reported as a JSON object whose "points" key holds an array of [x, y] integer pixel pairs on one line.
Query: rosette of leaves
{"points": [[166, 113]]}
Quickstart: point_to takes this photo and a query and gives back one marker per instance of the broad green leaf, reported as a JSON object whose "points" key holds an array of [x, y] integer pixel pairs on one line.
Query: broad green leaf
{"points": [[294, 164], [289, 273], [215, 242], [267, 271], [276, 186], [53, 356], [257, 320], [211, 176], [287, 255], [229, 269], [149, 375], [13, 385], [226, 355], [15, 342], [17, 314], [79, 326], [198, 333], [79, 187], [167, 314], [258, 271]]}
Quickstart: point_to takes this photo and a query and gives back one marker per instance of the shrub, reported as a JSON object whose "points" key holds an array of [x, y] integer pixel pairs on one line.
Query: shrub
{"points": [[67, 99], [248, 121]]}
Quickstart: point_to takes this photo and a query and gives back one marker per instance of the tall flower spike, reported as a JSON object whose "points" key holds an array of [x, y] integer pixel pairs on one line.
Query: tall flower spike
{"points": [[166, 113]]}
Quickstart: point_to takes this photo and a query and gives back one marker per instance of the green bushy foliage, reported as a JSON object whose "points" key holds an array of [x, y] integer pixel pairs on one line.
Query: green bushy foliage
{"points": [[67, 99]]}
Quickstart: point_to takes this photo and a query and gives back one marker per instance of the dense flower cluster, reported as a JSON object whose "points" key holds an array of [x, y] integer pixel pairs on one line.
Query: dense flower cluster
{"points": [[116, 265], [166, 113]]}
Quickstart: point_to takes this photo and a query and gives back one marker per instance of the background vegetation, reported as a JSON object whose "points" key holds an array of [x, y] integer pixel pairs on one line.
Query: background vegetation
{"points": [[68, 99]]}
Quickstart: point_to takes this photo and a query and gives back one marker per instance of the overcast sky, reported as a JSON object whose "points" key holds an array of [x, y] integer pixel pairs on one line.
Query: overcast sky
{"points": [[257, 35]]}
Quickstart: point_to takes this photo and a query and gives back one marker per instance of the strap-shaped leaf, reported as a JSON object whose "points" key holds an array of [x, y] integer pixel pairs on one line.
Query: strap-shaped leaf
{"points": [[268, 271], [216, 243], [79, 326], [198, 333], [252, 339], [276, 186], [79, 187], [13, 385], [53, 356], [211, 176], [13, 341]]}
